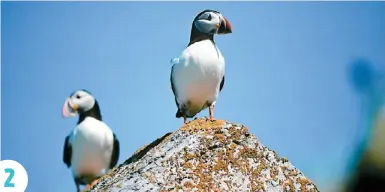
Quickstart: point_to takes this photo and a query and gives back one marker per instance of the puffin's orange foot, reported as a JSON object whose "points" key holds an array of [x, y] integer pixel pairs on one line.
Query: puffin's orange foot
{"points": [[90, 185], [87, 187], [185, 120], [211, 111], [94, 183]]}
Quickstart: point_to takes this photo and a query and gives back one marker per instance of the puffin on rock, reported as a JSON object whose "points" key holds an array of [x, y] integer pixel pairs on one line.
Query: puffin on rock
{"points": [[92, 148], [198, 74]]}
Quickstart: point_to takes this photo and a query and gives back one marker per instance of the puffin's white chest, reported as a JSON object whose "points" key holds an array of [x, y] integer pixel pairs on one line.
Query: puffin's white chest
{"points": [[199, 73], [92, 144]]}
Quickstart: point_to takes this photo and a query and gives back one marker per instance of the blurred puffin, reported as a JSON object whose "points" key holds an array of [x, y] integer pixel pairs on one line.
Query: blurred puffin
{"points": [[198, 75], [366, 166], [91, 149]]}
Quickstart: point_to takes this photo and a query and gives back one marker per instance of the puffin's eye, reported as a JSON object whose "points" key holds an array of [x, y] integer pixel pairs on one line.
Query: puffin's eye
{"points": [[209, 17], [78, 96]]}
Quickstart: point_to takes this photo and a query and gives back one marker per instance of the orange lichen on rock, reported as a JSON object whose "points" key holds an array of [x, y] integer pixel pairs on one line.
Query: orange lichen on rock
{"points": [[202, 124]]}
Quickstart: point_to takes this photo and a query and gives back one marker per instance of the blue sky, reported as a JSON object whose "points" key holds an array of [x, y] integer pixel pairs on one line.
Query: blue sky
{"points": [[286, 78]]}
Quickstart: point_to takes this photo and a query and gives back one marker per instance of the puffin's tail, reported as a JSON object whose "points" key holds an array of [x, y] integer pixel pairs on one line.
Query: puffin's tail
{"points": [[178, 114], [190, 112]]}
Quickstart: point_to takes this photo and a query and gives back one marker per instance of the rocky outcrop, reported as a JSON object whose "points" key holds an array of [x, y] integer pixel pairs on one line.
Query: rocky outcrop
{"points": [[205, 156]]}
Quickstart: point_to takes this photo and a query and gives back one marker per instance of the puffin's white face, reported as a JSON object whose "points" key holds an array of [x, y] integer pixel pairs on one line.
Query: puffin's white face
{"points": [[212, 22], [80, 101]]}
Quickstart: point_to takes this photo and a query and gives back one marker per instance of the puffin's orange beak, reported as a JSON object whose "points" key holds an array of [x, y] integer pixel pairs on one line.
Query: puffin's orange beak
{"points": [[224, 27]]}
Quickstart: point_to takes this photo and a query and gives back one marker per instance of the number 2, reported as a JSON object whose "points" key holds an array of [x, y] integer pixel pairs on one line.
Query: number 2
{"points": [[11, 175]]}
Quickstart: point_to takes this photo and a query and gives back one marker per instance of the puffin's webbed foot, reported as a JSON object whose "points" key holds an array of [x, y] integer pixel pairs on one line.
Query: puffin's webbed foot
{"points": [[185, 119], [90, 185], [211, 112]]}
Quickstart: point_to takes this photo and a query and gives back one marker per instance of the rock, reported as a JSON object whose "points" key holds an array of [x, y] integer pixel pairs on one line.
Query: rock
{"points": [[205, 156]]}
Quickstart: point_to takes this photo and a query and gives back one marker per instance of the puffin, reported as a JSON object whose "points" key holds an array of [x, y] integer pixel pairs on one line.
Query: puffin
{"points": [[198, 74], [366, 164], [91, 148]]}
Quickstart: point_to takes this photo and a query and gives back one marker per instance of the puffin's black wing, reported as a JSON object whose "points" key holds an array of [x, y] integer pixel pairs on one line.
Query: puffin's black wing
{"points": [[178, 113], [115, 152], [67, 152], [172, 85], [222, 83]]}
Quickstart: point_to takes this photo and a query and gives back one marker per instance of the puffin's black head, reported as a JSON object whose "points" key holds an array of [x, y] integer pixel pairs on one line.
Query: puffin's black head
{"points": [[83, 103], [208, 23]]}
